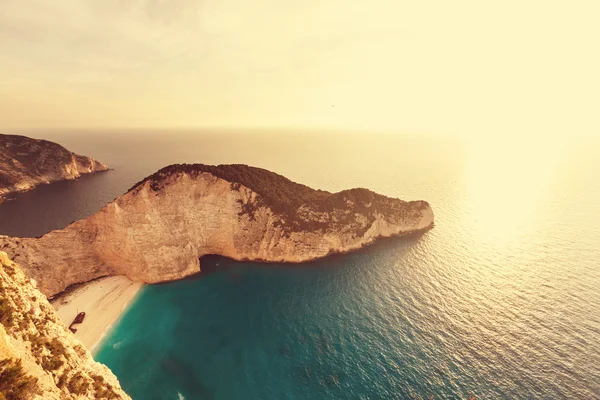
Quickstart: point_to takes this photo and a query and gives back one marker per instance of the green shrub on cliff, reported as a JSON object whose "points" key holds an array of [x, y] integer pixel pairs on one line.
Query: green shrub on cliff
{"points": [[280, 193], [15, 383], [299, 207], [78, 384], [6, 312]]}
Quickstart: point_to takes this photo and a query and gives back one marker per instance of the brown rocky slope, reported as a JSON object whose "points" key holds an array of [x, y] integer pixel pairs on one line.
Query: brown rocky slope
{"points": [[26, 163], [39, 357], [161, 227]]}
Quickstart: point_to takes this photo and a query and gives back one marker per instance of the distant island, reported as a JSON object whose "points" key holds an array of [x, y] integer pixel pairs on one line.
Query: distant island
{"points": [[26, 163], [162, 226]]}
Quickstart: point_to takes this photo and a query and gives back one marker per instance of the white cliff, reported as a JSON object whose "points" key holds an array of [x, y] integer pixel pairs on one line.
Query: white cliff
{"points": [[39, 357], [159, 230]]}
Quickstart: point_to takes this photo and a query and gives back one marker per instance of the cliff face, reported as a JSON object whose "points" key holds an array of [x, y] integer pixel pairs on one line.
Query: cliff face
{"points": [[39, 357], [160, 228], [26, 163]]}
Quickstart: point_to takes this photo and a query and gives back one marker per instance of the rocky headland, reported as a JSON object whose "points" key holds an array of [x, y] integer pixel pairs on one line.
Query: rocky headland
{"points": [[162, 226], [26, 163], [39, 357]]}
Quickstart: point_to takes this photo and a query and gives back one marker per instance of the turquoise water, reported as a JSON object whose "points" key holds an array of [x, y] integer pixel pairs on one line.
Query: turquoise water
{"points": [[501, 300], [379, 324], [346, 327]]}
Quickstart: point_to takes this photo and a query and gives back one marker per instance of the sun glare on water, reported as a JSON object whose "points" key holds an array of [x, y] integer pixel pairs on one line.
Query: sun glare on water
{"points": [[505, 182]]}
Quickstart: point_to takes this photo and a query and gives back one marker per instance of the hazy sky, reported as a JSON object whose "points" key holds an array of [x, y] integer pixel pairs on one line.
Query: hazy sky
{"points": [[466, 67]]}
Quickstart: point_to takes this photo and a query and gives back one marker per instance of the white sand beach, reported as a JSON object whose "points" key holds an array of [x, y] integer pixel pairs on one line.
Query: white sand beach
{"points": [[102, 300]]}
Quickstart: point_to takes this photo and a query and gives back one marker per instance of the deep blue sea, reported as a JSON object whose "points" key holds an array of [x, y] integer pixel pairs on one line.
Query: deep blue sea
{"points": [[501, 300]]}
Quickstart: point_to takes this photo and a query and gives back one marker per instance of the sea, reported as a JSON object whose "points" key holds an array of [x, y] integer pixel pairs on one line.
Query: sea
{"points": [[500, 300]]}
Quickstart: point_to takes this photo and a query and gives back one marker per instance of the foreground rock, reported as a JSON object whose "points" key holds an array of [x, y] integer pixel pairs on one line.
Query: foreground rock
{"points": [[26, 163], [160, 228], [39, 357]]}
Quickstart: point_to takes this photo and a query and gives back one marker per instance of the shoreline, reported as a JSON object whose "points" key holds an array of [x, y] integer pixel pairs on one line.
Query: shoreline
{"points": [[417, 233], [103, 300], [13, 194]]}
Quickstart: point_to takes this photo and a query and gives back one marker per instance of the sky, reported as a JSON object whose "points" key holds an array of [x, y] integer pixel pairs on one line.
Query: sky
{"points": [[450, 67]]}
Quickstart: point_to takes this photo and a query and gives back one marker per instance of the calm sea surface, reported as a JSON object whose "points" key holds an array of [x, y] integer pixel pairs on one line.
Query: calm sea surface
{"points": [[500, 300]]}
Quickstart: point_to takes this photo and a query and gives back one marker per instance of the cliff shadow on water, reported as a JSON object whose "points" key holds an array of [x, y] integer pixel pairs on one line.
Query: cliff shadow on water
{"points": [[213, 263]]}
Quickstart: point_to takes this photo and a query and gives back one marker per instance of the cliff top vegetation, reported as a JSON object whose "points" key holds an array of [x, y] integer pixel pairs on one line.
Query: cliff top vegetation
{"points": [[285, 197]]}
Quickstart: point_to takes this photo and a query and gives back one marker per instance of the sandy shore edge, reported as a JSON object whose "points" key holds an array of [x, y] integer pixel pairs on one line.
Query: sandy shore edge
{"points": [[103, 301]]}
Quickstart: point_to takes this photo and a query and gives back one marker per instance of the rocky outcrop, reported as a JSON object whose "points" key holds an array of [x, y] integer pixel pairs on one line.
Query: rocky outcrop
{"points": [[160, 228], [39, 357], [26, 163]]}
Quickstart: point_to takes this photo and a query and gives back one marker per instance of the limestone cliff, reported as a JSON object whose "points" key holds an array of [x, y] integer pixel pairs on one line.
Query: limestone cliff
{"points": [[26, 163], [39, 357], [160, 228]]}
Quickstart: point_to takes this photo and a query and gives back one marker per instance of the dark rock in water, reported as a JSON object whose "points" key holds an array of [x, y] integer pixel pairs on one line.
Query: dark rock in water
{"points": [[331, 380], [286, 351], [213, 330], [237, 356], [222, 342], [302, 339], [334, 379], [304, 372], [185, 378], [324, 345]]}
